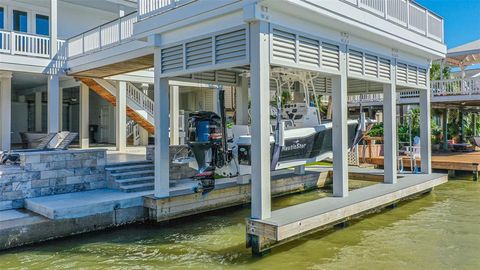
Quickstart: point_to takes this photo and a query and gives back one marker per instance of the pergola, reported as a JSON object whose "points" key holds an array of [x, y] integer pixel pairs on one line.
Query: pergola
{"points": [[463, 56]]}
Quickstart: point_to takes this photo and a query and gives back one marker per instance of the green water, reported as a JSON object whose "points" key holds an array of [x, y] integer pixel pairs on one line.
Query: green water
{"points": [[437, 231]]}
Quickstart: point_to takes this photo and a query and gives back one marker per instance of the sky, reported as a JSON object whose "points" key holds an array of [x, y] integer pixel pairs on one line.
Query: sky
{"points": [[461, 19]]}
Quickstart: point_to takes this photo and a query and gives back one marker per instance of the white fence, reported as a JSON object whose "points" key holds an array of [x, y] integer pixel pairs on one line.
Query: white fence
{"points": [[140, 98], [16, 43], [147, 8], [103, 36], [406, 13]]}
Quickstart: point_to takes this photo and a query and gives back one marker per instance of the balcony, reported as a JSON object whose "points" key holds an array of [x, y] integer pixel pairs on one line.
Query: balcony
{"points": [[147, 8], [15, 43]]}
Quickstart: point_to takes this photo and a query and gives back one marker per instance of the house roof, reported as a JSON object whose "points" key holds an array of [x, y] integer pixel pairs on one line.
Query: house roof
{"points": [[464, 55]]}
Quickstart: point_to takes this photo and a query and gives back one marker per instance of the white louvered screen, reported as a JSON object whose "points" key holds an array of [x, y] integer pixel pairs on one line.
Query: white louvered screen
{"points": [[371, 65], [308, 51], [412, 74], [199, 53], [283, 46], [330, 55], [355, 62], [384, 68], [209, 105], [230, 46], [229, 97], [422, 76], [172, 58], [225, 76], [205, 76], [402, 73]]}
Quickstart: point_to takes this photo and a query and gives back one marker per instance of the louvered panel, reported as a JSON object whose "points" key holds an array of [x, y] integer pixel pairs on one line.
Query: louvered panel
{"points": [[371, 65], [172, 58], [330, 55], [308, 51], [323, 85], [283, 45], [228, 97], [199, 53], [205, 76], [412, 74], [231, 46], [224, 76], [355, 62], [209, 104], [384, 68], [422, 76], [402, 73]]}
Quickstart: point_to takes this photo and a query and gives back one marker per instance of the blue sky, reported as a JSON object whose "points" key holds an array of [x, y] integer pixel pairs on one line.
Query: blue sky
{"points": [[461, 19]]}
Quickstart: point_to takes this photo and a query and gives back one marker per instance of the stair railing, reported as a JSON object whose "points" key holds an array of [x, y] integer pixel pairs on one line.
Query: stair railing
{"points": [[140, 98]]}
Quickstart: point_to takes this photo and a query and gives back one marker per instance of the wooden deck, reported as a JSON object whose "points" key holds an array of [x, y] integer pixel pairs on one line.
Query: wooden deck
{"points": [[454, 161]]}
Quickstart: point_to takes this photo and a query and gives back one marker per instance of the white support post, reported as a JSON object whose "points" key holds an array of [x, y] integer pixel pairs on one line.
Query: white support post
{"points": [[53, 104], [38, 111], [53, 28], [84, 116], [260, 82], [339, 129], [425, 132], [174, 114], [241, 98], [390, 133], [162, 122], [5, 110], [121, 117], [60, 109]]}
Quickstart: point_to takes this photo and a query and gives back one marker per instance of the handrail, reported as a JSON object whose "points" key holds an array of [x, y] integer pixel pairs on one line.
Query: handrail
{"points": [[140, 98], [19, 43], [147, 8]]}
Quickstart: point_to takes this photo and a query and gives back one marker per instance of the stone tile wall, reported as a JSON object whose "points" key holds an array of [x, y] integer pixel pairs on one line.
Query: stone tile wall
{"points": [[51, 172]]}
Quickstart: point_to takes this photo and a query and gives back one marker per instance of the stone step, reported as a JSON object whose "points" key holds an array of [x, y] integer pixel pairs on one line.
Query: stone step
{"points": [[129, 174], [129, 167], [137, 180], [137, 187]]}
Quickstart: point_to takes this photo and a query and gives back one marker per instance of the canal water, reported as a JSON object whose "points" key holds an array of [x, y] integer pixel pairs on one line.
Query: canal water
{"points": [[440, 230]]}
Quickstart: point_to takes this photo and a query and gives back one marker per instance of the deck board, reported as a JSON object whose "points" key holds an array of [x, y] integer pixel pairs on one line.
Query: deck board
{"points": [[461, 161]]}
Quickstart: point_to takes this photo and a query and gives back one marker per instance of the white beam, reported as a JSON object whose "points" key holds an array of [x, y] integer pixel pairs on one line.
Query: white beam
{"points": [[174, 114], [84, 116], [260, 80], [5, 110], [53, 28], [340, 128], [38, 111], [121, 117], [425, 132], [390, 133], [53, 104], [241, 99]]}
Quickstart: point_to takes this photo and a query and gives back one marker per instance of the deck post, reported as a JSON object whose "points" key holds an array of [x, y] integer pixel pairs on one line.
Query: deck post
{"points": [[425, 140], [5, 110], [260, 82], [38, 111], [162, 122], [390, 133], [84, 135], [121, 117], [339, 129], [445, 129], [241, 99], [53, 104], [474, 120], [174, 114], [53, 28]]}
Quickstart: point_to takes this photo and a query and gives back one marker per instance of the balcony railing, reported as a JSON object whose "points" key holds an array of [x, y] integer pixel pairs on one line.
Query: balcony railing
{"points": [[104, 36], [406, 13], [16, 43], [147, 8]]}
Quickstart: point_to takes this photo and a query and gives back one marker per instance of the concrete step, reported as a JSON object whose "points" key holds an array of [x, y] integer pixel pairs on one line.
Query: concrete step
{"points": [[135, 167], [127, 174], [136, 180], [137, 187]]}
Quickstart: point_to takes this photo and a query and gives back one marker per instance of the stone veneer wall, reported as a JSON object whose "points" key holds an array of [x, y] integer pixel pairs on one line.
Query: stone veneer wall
{"points": [[51, 172]]}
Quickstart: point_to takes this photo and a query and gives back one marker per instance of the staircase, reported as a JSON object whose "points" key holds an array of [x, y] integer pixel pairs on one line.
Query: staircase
{"points": [[139, 106], [132, 176]]}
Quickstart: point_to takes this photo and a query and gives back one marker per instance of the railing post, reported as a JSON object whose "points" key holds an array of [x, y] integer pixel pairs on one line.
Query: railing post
{"points": [[426, 22], [408, 14], [12, 43], [385, 14]]}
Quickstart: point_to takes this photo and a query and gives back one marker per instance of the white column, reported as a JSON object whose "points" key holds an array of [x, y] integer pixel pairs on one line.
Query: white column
{"points": [[53, 104], [390, 133], [84, 116], [340, 128], [53, 28], [121, 117], [260, 85], [5, 110], [162, 122], [174, 114], [60, 109], [241, 98], [425, 132], [38, 111]]}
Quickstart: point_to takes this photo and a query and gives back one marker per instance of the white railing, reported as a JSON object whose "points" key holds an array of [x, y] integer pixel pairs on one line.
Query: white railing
{"points": [[147, 8], [16, 43], [140, 98], [404, 12], [365, 98], [103, 36], [133, 130]]}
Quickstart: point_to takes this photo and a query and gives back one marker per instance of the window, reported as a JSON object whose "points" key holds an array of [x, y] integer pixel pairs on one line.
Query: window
{"points": [[41, 24], [20, 21], [2, 18]]}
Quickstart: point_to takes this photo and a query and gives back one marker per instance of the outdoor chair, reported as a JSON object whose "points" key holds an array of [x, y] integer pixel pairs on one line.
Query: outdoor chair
{"points": [[475, 141]]}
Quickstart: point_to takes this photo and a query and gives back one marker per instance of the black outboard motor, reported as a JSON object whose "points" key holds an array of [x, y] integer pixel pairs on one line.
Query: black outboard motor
{"points": [[205, 138]]}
